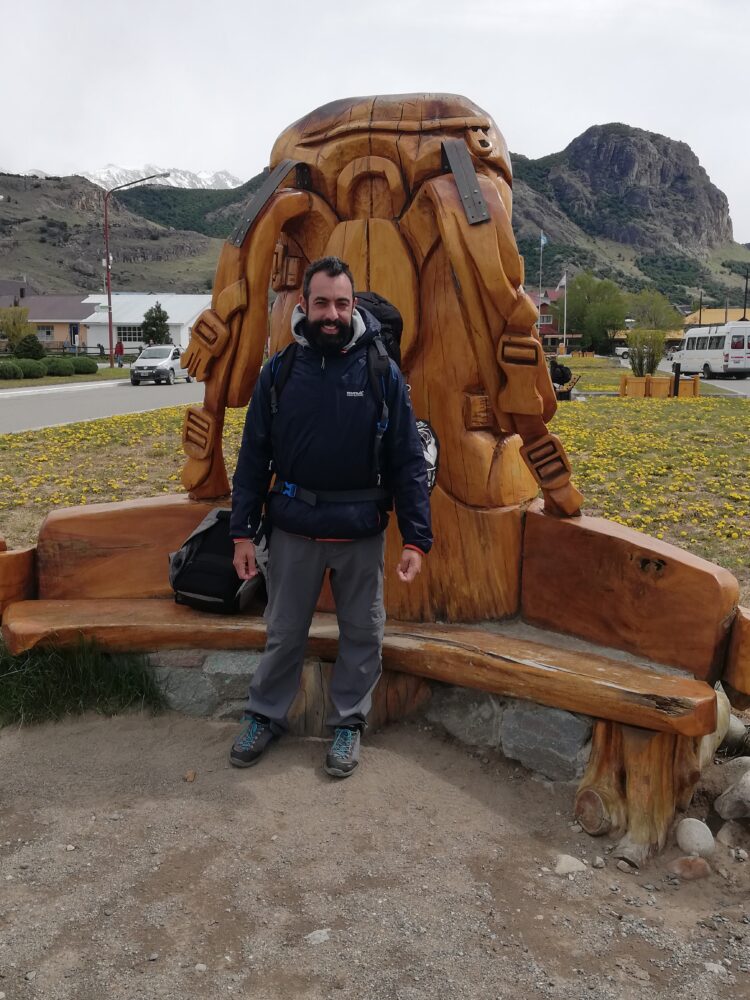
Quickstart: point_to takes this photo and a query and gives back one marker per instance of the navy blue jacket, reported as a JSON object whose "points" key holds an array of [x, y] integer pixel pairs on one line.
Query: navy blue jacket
{"points": [[322, 438]]}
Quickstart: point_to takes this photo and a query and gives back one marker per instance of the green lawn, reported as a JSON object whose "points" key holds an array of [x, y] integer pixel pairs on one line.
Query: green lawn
{"points": [[676, 469]]}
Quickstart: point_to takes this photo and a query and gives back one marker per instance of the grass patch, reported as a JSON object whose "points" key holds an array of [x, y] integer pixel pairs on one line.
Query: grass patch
{"points": [[44, 685], [676, 469]]}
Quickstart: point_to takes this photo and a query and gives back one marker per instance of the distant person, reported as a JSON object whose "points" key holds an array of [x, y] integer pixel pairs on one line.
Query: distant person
{"points": [[101, 350], [119, 352], [559, 373]]}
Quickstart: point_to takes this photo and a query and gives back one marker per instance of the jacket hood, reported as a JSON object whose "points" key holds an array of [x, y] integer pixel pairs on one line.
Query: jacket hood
{"points": [[364, 323]]}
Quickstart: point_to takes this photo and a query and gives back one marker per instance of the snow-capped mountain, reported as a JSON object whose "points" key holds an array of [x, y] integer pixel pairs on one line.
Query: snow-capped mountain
{"points": [[112, 175]]}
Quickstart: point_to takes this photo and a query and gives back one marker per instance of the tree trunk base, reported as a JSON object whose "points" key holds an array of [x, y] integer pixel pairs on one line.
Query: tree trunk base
{"points": [[635, 782]]}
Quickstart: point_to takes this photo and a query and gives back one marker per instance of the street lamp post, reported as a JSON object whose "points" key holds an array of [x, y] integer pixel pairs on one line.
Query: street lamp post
{"points": [[107, 258]]}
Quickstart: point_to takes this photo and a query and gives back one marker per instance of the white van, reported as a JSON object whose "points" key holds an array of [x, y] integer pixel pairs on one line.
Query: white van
{"points": [[716, 351]]}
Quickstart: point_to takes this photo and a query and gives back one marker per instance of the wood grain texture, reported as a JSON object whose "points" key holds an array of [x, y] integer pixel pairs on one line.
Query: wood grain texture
{"points": [[471, 572], [737, 669], [17, 575], [395, 697], [505, 665], [634, 784], [480, 468], [617, 587], [114, 550]]}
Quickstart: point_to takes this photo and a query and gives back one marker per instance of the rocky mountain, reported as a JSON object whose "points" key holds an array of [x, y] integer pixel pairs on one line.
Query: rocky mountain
{"points": [[621, 202], [633, 187], [112, 175], [632, 205], [51, 234]]}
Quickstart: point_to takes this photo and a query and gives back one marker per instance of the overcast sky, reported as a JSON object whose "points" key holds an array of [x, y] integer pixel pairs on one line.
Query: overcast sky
{"points": [[208, 86]]}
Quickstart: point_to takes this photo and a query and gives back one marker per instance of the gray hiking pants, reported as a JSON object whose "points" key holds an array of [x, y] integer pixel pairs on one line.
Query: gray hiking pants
{"points": [[296, 567]]}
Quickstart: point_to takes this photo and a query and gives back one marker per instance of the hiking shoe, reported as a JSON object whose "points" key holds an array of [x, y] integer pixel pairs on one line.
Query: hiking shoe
{"points": [[343, 756], [252, 741]]}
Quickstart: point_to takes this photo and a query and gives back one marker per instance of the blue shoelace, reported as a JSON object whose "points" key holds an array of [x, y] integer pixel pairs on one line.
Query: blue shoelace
{"points": [[343, 742], [251, 734]]}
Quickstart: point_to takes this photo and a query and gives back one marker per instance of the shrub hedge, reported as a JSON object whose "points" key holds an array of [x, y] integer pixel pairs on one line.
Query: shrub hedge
{"points": [[85, 366], [59, 366], [9, 369], [30, 367], [29, 347]]}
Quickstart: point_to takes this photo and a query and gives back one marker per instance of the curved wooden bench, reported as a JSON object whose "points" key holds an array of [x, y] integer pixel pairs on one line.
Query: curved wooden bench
{"points": [[490, 661], [620, 587]]}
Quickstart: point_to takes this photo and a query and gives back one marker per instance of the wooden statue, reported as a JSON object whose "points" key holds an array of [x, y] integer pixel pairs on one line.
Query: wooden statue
{"points": [[414, 192]]}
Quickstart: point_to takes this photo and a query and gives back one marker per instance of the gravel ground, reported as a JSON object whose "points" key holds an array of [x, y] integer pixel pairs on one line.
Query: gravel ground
{"points": [[135, 862]]}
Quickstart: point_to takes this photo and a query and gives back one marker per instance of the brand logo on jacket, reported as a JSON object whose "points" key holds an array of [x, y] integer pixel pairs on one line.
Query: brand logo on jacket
{"points": [[360, 393]]}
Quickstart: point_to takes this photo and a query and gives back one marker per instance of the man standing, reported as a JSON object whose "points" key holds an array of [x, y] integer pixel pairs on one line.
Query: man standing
{"points": [[325, 510]]}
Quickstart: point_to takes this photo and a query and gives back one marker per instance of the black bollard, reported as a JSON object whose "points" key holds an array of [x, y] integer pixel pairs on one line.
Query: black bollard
{"points": [[676, 367]]}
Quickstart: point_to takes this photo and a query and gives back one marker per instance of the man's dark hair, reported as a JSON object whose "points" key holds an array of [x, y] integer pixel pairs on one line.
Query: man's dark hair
{"points": [[332, 266]]}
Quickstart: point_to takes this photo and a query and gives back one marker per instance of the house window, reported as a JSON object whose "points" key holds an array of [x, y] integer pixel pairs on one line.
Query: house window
{"points": [[545, 319], [44, 331], [130, 334]]}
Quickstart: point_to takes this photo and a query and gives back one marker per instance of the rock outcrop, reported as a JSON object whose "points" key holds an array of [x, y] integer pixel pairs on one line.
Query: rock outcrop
{"points": [[634, 187]]}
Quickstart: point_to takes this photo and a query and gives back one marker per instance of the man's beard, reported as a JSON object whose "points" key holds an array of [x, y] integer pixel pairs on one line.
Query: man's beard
{"points": [[327, 343]]}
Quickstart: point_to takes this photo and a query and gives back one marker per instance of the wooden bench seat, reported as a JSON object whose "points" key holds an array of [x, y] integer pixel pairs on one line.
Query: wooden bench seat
{"points": [[563, 392], [492, 661]]}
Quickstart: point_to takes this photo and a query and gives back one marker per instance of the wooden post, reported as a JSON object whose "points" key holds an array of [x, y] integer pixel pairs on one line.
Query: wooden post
{"points": [[623, 385], [635, 781], [647, 389]]}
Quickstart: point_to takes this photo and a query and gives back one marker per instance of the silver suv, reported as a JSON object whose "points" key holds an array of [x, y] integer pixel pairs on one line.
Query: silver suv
{"points": [[158, 364]]}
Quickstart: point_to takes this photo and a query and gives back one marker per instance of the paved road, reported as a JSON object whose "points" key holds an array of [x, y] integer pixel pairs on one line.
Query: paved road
{"points": [[50, 406]]}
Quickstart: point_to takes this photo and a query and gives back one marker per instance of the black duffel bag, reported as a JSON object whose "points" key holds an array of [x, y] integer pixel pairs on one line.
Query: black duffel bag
{"points": [[202, 573]]}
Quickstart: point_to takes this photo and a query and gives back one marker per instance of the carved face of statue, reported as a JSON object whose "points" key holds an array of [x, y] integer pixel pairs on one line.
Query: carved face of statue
{"points": [[329, 309]]}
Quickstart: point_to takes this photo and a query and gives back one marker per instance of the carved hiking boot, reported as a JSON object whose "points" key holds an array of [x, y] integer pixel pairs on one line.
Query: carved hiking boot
{"points": [[249, 746], [343, 757]]}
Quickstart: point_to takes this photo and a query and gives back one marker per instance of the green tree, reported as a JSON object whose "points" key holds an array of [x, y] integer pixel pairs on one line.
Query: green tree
{"points": [[653, 311], [14, 324], [156, 325], [645, 350], [596, 310], [30, 347]]}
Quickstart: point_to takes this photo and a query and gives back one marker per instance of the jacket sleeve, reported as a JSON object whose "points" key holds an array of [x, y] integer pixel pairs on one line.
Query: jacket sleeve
{"points": [[406, 470], [252, 476]]}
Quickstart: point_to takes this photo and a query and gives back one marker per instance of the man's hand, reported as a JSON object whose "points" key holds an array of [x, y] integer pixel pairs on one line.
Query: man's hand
{"points": [[244, 559], [409, 565]]}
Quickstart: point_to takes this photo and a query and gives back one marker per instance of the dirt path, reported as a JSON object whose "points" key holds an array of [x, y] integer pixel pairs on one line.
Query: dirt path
{"points": [[427, 874]]}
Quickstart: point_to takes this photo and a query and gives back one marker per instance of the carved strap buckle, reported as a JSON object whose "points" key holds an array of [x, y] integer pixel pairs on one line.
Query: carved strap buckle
{"points": [[197, 432], [547, 461]]}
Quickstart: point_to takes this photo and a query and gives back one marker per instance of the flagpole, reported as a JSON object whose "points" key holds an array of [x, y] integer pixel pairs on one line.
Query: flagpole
{"points": [[565, 313], [541, 252]]}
